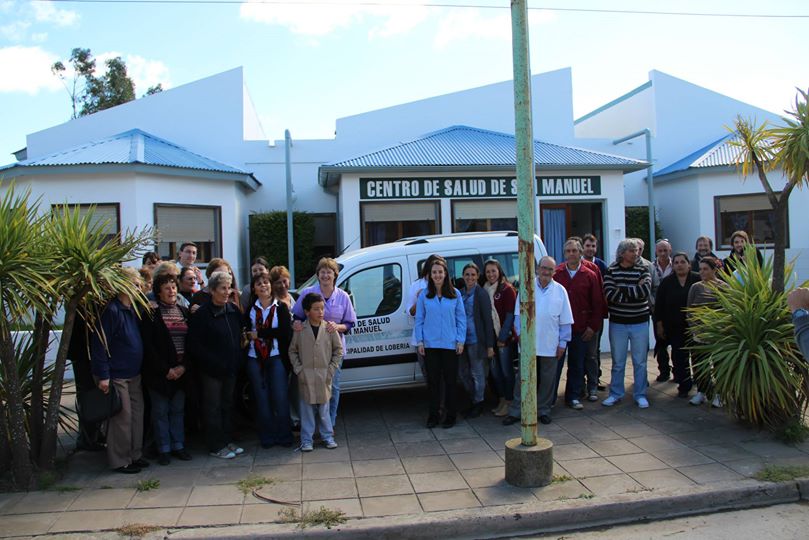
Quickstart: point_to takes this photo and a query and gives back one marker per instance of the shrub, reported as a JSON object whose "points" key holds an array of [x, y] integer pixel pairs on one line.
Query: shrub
{"points": [[268, 238], [748, 339], [637, 226]]}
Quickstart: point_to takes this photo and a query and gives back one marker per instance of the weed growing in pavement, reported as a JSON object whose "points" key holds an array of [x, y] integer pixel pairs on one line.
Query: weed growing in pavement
{"points": [[322, 516], [46, 480], [252, 482], [559, 478], [781, 473], [793, 432], [586, 496], [64, 489], [136, 530], [147, 485]]}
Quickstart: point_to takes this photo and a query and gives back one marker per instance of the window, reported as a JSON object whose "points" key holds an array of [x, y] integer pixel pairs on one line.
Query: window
{"points": [[375, 291], [325, 241], [510, 263], [482, 216], [199, 224], [108, 213], [455, 265], [388, 222], [750, 213]]}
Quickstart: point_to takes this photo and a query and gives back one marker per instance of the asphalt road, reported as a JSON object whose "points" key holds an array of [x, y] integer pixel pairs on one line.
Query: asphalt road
{"points": [[782, 522]]}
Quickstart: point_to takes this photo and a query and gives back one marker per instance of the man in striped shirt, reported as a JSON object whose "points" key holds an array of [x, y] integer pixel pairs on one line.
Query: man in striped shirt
{"points": [[628, 286]]}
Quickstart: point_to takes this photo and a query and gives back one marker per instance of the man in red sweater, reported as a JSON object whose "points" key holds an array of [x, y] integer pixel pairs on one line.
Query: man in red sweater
{"points": [[582, 281]]}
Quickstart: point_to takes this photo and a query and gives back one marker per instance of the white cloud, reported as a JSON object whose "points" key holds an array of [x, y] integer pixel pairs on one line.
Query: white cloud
{"points": [[143, 72], [462, 24], [146, 73], [15, 31], [312, 19], [27, 69], [48, 12]]}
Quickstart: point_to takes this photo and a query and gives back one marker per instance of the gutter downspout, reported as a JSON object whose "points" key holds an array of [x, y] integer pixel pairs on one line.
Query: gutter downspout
{"points": [[290, 233], [649, 181]]}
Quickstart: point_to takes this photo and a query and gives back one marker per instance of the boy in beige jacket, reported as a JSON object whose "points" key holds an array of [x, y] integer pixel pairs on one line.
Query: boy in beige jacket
{"points": [[315, 354]]}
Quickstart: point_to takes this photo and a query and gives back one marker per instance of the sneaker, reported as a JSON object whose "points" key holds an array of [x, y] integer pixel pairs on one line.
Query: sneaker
{"points": [[545, 419], [224, 453], [592, 396], [610, 401], [716, 403], [643, 403], [331, 445], [698, 399], [236, 449], [306, 447], [576, 405]]}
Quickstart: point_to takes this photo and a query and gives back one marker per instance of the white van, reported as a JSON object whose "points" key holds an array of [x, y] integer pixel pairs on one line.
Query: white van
{"points": [[378, 351]]}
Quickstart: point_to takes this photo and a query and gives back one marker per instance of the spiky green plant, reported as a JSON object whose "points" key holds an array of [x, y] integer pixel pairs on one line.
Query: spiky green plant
{"points": [[54, 261], [747, 340]]}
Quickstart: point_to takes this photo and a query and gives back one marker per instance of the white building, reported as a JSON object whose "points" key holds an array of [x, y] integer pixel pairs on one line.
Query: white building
{"points": [[220, 166]]}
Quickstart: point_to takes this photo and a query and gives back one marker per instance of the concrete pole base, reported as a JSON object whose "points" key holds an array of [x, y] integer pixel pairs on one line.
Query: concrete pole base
{"points": [[529, 466]]}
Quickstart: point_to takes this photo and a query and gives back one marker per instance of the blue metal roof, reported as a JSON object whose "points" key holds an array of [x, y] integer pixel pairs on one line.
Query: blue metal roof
{"points": [[131, 147], [720, 153], [464, 146]]}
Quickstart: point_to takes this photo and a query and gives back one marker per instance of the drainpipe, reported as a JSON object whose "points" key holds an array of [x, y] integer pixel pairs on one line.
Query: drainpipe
{"points": [[290, 233], [649, 182]]}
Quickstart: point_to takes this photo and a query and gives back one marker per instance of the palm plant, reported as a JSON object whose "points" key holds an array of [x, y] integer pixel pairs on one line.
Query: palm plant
{"points": [[747, 340], [763, 149], [61, 261]]}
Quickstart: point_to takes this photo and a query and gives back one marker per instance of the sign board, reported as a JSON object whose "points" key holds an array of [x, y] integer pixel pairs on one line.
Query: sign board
{"points": [[479, 188]]}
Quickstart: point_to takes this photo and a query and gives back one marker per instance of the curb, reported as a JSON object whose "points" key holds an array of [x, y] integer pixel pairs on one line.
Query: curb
{"points": [[556, 516]]}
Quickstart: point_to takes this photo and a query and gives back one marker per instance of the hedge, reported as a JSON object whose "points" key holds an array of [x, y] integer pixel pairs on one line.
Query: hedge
{"points": [[268, 239], [637, 226]]}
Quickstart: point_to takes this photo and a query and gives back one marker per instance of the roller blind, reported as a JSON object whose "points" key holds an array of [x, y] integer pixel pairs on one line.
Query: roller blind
{"points": [[183, 223], [744, 204], [484, 209], [103, 212], [411, 211]]}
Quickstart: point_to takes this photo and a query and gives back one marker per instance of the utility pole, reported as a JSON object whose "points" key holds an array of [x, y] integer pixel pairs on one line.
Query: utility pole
{"points": [[290, 232], [529, 460]]}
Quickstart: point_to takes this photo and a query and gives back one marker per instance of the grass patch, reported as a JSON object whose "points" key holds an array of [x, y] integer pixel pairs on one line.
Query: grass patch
{"points": [[46, 480], [793, 432], [64, 488], [559, 478], [781, 473], [148, 484], [252, 482], [322, 516], [136, 530]]}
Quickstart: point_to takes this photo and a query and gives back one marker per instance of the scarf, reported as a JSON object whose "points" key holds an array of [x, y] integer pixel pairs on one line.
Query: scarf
{"points": [[261, 345], [491, 288]]}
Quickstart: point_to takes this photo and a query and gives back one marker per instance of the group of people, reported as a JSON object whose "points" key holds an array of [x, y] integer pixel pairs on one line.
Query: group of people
{"points": [[471, 332], [199, 332]]}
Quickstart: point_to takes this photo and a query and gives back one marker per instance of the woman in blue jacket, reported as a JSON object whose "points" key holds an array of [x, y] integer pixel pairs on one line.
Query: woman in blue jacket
{"points": [[440, 334]]}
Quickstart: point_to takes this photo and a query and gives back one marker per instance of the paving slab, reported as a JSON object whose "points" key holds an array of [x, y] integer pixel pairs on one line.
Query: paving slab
{"points": [[559, 491], [374, 486], [211, 515], [43, 501], [215, 495], [27, 524], [448, 500], [423, 464], [437, 481], [161, 498], [477, 460], [612, 484], [336, 488], [103, 499], [378, 467], [630, 463], [664, 479], [352, 508], [390, 505]]}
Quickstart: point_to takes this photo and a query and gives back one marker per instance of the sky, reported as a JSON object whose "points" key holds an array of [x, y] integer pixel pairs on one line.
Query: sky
{"points": [[308, 63]]}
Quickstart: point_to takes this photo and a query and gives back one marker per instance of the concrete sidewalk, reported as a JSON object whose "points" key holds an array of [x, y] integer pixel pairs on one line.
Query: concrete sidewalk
{"points": [[389, 464]]}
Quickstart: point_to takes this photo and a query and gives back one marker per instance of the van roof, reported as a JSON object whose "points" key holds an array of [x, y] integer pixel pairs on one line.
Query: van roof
{"points": [[434, 243]]}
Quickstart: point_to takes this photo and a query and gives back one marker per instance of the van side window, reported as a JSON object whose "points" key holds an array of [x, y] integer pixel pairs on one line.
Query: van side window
{"points": [[455, 266], [509, 262], [375, 291]]}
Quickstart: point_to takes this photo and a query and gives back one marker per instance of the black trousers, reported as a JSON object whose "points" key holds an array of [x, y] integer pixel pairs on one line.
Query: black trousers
{"points": [[442, 372], [217, 407], [662, 353], [680, 359]]}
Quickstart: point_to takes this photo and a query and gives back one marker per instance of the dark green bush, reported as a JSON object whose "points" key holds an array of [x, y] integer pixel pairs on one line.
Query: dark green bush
{"points": [[268, 238], [637, 226]]}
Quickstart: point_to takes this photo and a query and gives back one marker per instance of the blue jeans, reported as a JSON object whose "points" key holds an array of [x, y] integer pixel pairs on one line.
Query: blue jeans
{"points": [[621, 336], [315, 413], [576, 353], [471, 371], [503, 372], [335, 396], [168, 414], [270, 392]]}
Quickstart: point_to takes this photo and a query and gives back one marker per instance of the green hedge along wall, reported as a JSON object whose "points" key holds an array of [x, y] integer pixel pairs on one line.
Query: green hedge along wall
{"points": [[268, 238], [637, 226]]}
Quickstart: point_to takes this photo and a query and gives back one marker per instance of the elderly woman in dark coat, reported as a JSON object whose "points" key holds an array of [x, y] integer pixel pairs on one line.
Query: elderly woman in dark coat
{"points": [[214, 343], [164, 368]]}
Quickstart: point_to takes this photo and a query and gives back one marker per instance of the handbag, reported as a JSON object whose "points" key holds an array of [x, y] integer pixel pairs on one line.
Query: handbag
{"points": [[96, 406]]}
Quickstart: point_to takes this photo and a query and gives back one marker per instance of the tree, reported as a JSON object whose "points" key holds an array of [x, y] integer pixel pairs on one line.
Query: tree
{"points": [[763, 149], [51, 261], [91, 93]]}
